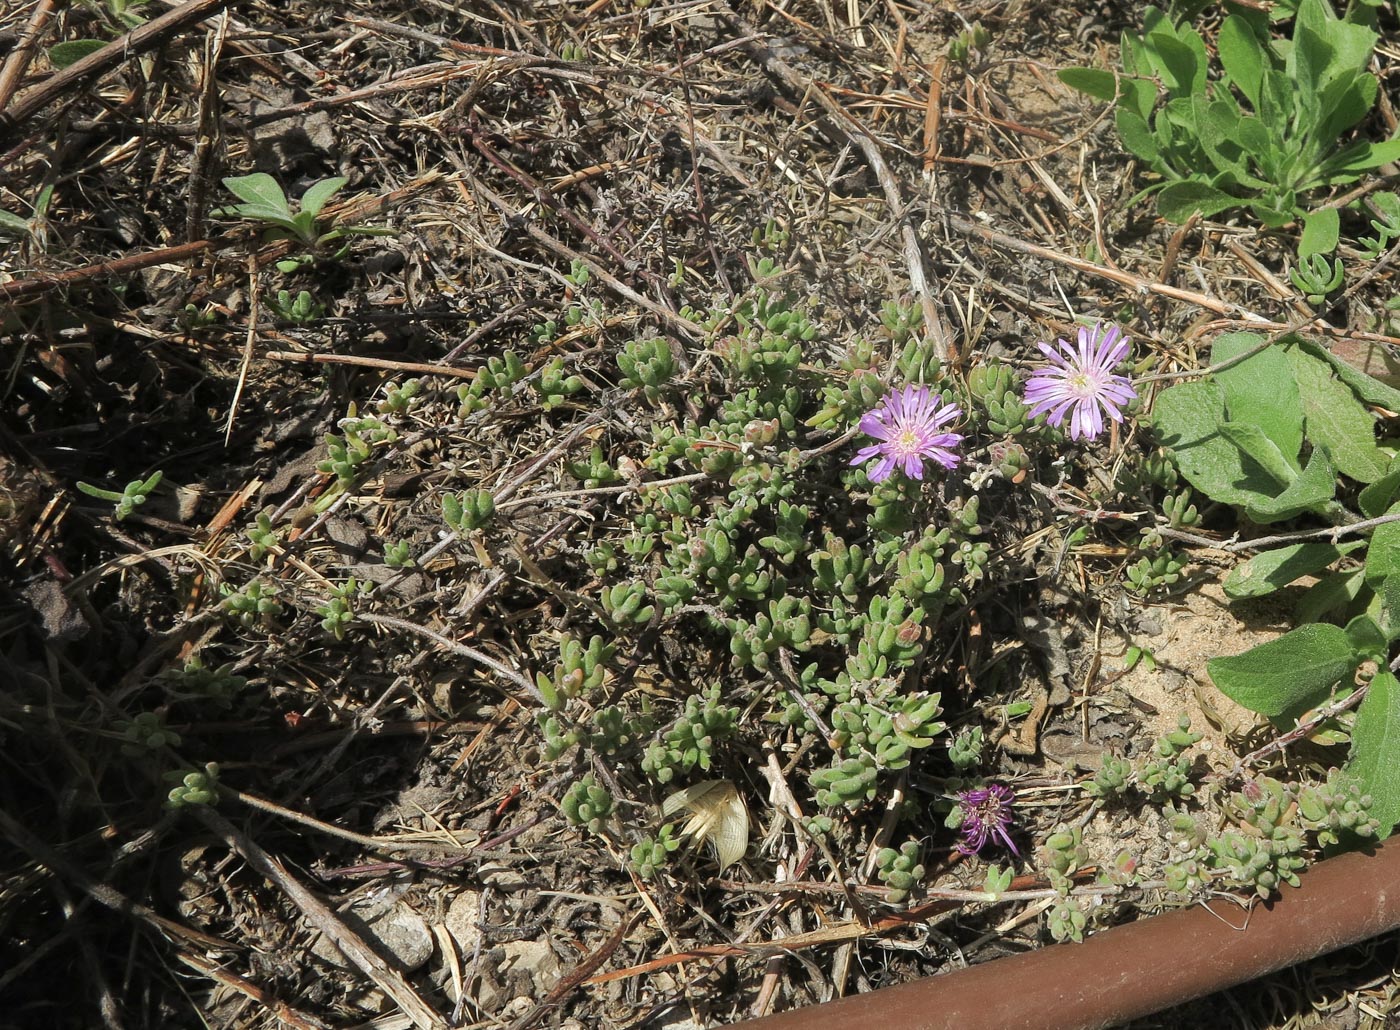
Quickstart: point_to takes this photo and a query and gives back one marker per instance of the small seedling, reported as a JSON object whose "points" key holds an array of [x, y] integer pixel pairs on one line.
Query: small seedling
{"points": [[299, 309], [264, 201], [132, 497]]}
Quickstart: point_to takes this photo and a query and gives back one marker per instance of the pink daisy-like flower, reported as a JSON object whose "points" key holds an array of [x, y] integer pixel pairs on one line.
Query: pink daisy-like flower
{"points": [[906, 425], [1082, 381], [986, 813]]}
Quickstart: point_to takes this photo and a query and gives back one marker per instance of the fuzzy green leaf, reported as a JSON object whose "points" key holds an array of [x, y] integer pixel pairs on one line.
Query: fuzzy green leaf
{"points": [[260, 190], [1242, 56], [1261, 390], [1321, 230], [318, 193], [1336, 419], [1181, 200], [1096, 82], [1383, 556], [1296, 670], [1375, 741], [1312, 491], [72, 51], [1271, 570], [1188, 418], [1368, 388]]}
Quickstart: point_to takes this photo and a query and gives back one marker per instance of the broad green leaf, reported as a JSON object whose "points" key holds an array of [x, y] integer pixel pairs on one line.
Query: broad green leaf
{"points": [[1367, 637], [1253, 135], [260, 213], [1271, 570], [1368, 388], [1375, 743], [1242, 56], [261, 190], [318, 193], [1250, 439], [1187, 418], [1336, 419], [1389, 614], [1181, 200], [1261, 390], [1181, 65], [1383, 554], [13, 225], [1336, 46], [1360, 157], [1321, 229], [1330, 595], [1314, 491], [1376, 499], [1139, 96], [72, 51], [1342, 104], [1136, 136], [1094, 81], [1217, 131], [1298, 669]]}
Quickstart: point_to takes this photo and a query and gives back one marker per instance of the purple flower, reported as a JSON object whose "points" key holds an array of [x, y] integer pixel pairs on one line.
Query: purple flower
{"points": [[906, 424], [1083, 381], [986, 813]]}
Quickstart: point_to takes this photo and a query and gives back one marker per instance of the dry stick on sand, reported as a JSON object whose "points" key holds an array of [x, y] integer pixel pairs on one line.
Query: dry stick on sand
{"points": [[320, 916]]}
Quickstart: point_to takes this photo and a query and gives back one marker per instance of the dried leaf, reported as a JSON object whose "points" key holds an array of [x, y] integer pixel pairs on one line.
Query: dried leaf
{"points": [[718, 817]]}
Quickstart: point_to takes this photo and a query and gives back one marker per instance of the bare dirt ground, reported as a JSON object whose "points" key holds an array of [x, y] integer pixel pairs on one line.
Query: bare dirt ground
{"points": [[386, 791]]}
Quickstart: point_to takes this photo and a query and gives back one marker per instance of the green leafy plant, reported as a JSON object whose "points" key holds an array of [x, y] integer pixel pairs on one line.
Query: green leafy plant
{"points": [[354, 446], [131, 497], [145, 734], [264, 201], [587, 804], [339, 611], [193, 786], [255, 603], [1285, 433], [901, 870], [1262, 133], [299, 309], [468, 510], [398, 554]]}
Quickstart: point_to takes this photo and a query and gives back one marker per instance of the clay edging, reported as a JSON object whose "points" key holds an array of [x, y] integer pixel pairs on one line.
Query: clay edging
{"points": [[1137, 969]]}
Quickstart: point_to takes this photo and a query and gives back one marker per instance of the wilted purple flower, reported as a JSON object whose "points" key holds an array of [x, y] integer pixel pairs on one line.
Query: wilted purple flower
{"points": [[1083, 381], [986, 813], [906, 424]]}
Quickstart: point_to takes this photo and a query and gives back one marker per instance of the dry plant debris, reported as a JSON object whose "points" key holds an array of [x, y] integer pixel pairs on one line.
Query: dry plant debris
{"points": [[427, 489]]}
